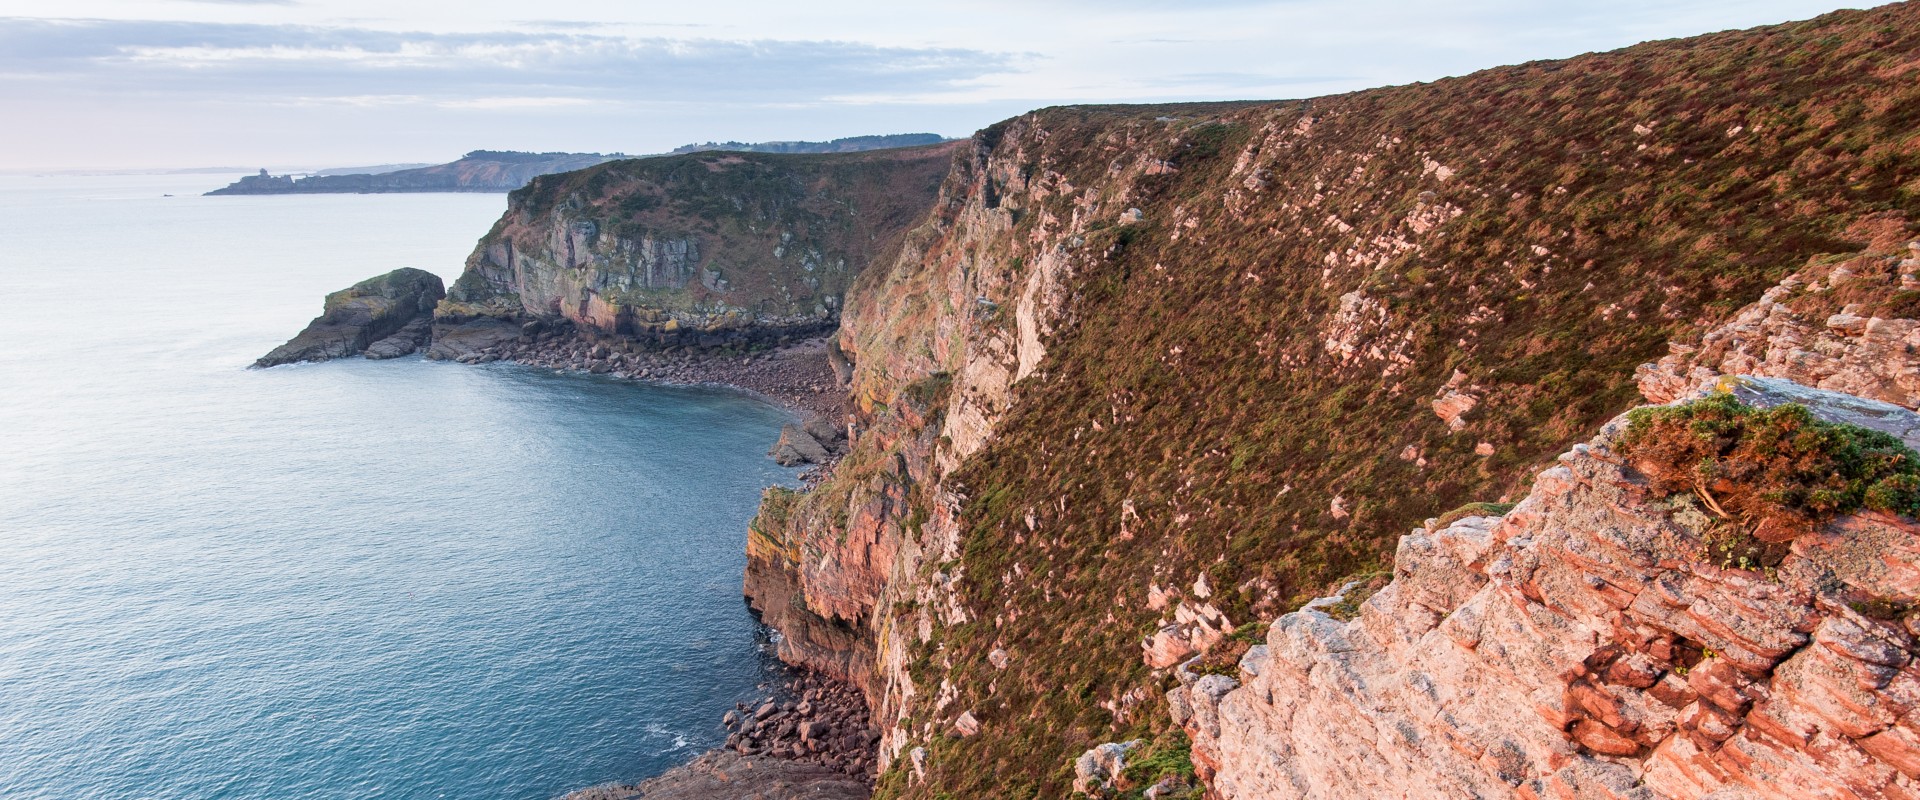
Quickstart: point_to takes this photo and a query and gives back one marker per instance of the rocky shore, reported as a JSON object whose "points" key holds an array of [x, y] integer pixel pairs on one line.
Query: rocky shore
{"points": [[810, 739], [818, 720], [798, 375]]}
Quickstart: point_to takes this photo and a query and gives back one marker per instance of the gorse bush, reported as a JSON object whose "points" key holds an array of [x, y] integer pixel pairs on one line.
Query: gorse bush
{"points": [[1778, 471]]}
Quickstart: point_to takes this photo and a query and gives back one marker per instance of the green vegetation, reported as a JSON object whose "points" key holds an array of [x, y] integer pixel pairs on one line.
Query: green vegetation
{"points": [[1169, 756], [1775, 472]]}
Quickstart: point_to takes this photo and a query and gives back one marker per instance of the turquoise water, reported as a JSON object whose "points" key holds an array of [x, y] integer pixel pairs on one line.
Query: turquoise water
{"points": [[349, 580]]}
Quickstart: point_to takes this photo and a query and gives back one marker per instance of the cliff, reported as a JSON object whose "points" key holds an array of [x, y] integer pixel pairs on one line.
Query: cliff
{"points": [[1148, 377], [709, 249], [478, 171]]}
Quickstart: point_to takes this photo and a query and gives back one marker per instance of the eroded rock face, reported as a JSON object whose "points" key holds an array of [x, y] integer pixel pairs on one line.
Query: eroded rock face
{"points": [[385, 317], [1085, 367], [1586, 645]]}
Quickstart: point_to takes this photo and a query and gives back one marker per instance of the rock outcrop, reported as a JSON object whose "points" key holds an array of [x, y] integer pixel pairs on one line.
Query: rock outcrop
{"points": [[1592, 643], [711, 249], [383, 317], [816, 441]]}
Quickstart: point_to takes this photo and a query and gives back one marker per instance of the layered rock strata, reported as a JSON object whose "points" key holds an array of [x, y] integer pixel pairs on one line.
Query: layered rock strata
{"points": [[382, 317], [1589, 644]]}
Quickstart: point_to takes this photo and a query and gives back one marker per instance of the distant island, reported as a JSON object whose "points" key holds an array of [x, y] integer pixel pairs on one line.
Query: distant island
{"points": [[507, 170]]}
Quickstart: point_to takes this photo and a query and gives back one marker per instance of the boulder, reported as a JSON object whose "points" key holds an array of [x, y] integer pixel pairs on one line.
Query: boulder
{"points": [[723, 775], [454, 340], [1095, 770], [363, 314], [825, 431], [797, 447], [406, 341]]}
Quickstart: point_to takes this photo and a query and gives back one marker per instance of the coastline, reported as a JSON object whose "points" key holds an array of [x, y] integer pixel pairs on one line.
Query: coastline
{"points": [[811, 735], [796, 376]]}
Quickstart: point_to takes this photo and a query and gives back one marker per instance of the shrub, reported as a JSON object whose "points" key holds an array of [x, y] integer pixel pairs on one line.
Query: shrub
{"points": [[1777, 471]]}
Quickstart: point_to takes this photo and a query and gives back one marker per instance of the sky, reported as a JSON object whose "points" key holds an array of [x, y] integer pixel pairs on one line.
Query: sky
{"points": [[126, 84]]}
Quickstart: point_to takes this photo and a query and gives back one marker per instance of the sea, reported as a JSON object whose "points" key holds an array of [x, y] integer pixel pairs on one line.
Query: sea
{"points": [[356, 579]]}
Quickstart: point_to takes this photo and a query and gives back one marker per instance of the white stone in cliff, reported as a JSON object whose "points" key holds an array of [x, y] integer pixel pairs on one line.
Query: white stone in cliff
{"points": [[1583, 647], [1096, 769]]}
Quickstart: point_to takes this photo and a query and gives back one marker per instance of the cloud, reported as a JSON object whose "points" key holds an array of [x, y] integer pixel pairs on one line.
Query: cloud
{"points": [[192, 61]]}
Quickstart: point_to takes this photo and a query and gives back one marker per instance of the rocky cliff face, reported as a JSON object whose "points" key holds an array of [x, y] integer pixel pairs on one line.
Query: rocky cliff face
{"points": [[381, 317], [1598, 641], [707, 248], [1146, 378]]}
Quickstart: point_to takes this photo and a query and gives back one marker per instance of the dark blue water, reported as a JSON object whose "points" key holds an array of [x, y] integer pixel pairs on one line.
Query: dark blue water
{"points": [[350, 580]]}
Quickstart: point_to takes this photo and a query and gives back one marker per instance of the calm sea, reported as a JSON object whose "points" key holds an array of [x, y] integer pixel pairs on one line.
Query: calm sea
{"points": [[359, 579]]}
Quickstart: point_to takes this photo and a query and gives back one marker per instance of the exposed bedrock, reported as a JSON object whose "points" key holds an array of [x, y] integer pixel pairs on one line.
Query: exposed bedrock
{"points": [[1591, 643], [383, 317], [1842, 322]]}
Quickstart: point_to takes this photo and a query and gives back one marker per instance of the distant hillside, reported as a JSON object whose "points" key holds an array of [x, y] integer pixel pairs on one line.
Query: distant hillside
{"points": [[373, 170], [478, 171], [507, 170], [851, 144]]}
